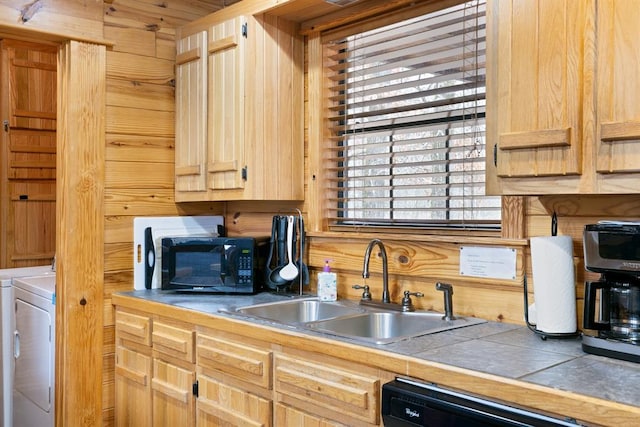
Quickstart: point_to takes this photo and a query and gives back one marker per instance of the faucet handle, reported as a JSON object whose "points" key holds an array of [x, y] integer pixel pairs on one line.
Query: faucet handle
{"points": [[407, 304], [366, 295]]}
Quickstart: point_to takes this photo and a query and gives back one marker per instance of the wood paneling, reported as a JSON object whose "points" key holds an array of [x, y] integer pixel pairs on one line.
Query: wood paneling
{"points": [[137, 41], [151, 148], [151, 175], [123, 120], [140, 133], [146, 69], [138, 92], [59, 19]]}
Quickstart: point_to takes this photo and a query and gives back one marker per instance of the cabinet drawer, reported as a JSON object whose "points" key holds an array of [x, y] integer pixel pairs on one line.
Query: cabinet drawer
{"points": [[133, 327], [330, 387], [288, 416], [240, 360], [219, 404], [173, 340]]}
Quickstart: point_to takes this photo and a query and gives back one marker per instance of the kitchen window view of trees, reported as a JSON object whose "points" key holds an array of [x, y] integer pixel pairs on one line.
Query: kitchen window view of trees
{"points": [[407, 121]]}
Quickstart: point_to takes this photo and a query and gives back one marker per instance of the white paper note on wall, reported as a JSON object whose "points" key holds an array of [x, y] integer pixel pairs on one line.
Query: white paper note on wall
{"points": [[489, 262]]}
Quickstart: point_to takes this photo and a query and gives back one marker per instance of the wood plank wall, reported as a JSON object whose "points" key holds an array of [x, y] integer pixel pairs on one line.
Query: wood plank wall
{"points": [[139, 172], [139, 140]]}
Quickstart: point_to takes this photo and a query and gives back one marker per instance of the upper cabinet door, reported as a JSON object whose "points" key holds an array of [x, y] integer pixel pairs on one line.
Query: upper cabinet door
{"points": [[249, 101], [618, 141], [227, 75], [536, 92], [191, 114]]}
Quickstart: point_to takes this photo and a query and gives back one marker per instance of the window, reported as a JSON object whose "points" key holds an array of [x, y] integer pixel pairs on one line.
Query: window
{"points": [[406, 112]]}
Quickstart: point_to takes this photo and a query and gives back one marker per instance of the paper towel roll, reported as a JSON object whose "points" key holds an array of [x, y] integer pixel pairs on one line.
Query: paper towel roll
{"points": [[554, 288]]}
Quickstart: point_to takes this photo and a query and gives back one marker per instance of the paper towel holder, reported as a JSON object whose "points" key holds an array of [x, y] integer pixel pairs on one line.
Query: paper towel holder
{"points": [[532, 327]]}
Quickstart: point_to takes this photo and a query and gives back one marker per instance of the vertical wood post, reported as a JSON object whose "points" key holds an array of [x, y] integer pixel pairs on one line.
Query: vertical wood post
{"points": [[315, 199], [80, 234]]}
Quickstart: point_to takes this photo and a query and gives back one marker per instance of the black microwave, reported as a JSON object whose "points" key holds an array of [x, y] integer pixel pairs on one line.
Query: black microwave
{"points": [[226, 265]]}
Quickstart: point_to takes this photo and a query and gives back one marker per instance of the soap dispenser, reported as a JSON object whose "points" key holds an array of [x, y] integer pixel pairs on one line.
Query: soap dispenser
{"points": [[327, 284]]}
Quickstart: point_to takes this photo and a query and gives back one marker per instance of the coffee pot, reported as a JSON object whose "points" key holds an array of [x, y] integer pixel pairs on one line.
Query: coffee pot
{"points": [[616, 312]]}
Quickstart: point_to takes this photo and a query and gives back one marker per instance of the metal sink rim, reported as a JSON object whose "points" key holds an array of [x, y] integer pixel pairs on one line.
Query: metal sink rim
{"points": [[356, 311]]}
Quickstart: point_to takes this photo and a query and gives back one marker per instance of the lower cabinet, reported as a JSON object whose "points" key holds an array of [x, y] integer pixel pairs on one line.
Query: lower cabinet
{"points": [[234, 380], [172, 395], [133, 369], [173, 373], [329, 390], [133, 391], [288, 416], [222, 405], [172, 383]]}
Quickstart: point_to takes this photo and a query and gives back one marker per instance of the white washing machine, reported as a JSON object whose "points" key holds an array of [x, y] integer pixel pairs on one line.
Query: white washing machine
{"points": [[34, 351], [6, 334]]}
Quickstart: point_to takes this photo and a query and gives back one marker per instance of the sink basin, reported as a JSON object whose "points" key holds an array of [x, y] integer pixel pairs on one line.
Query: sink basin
{"points": [[348, 319], [300, 311], [388, 327]]}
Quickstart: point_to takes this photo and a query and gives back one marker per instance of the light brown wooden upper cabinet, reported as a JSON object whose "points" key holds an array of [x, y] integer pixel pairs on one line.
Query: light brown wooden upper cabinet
{"points": [[239, 110], [561, 111], [618, 97], [191, 114]]}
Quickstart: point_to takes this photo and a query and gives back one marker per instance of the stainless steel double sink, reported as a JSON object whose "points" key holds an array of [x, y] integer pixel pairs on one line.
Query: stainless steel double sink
{"points": [[347, 319]]}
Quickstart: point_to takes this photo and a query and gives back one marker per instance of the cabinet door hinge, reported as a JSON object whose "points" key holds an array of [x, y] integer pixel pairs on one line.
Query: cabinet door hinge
{"points": [[495, 155], [194, 388], [244, 173], [5, 124], [245, 29]]}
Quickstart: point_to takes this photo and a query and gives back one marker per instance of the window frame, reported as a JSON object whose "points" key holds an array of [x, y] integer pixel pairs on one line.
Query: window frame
{"points": [[318, 203]]}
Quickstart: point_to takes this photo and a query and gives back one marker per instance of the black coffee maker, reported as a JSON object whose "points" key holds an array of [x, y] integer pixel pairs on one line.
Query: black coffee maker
{"points": [[612, 304]]}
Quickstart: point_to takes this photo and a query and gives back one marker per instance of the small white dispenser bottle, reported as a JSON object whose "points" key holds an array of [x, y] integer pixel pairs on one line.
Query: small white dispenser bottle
{"points": [[327, 284]]}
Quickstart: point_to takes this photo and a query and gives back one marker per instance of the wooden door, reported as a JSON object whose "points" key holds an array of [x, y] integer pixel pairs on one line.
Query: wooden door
{"points": [[537, 67], [227, 74], [191, 108], [28, 165], [173, 400], [222, 405], [618, 142], [132, 388]]}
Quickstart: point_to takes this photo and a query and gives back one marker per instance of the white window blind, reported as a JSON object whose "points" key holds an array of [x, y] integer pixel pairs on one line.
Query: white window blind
{"points": [[407, 121]]}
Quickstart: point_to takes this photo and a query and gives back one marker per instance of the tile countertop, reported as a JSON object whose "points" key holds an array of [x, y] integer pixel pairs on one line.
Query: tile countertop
{"points": [[501, 349]]}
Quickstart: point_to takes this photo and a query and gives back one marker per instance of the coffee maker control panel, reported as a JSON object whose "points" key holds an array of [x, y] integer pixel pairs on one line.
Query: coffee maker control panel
{"points": [[611, 246]]}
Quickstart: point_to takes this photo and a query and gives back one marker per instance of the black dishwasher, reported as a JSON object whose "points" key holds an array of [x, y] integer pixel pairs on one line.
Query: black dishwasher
{"points": [[409, 402]]}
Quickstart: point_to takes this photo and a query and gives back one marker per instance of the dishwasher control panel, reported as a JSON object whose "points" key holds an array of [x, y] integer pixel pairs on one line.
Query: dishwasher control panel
{"points": [[409, 402]]}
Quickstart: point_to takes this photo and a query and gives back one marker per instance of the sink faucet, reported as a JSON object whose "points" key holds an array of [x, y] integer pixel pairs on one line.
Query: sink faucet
{"points": [[448, 300], [385, 272], [385, 303]]}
